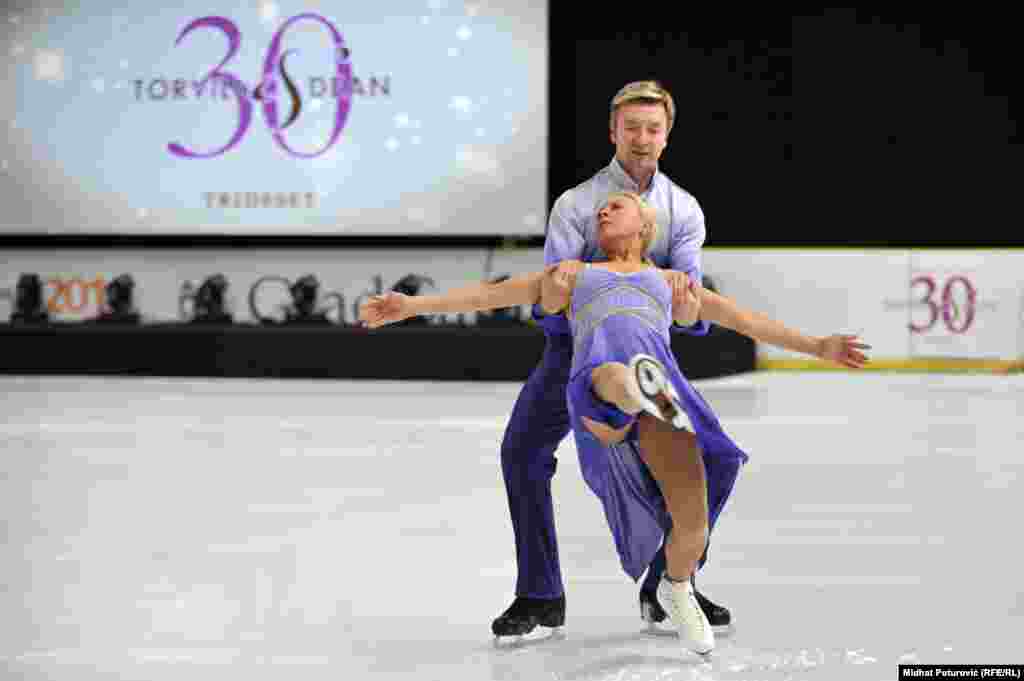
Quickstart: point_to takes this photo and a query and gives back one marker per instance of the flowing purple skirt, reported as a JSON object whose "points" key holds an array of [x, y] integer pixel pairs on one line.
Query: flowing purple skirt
{"points": [[632, 501]]}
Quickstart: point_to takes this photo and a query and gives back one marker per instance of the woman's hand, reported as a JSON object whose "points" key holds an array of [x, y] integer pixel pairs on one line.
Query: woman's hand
{"points": [[843, 349], [558, 284], [565, 274], [1011, 368], [387, 308]]}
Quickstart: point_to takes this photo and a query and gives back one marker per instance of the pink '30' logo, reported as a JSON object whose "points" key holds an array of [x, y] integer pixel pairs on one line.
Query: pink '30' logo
{"points": [[266, 91], [955, 319]]}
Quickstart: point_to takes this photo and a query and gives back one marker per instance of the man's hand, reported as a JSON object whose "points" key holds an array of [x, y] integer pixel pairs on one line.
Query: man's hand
{"points": [[685, 298], [843, 349]]}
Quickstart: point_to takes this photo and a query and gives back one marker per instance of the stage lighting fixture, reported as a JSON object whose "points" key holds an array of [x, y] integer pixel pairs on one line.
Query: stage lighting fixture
{"points": [[29, 305], [210, 302], [303, 310], [119, 307]]}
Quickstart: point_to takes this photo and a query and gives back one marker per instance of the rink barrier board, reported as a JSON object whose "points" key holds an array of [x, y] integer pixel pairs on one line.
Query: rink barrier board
{"points": [[411, 352], [893, 364], [879, 294]]}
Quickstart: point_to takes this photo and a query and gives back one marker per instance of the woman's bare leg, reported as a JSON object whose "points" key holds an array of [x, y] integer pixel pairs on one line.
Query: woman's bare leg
{"points": [[674, 460], [610, 381]]}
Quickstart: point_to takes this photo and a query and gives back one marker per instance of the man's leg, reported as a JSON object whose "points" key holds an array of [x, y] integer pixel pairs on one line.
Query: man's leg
{"points": [[539, 422]]}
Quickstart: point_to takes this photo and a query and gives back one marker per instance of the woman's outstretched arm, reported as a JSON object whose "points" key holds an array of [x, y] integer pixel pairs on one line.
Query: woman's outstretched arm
{"points": [[392, 307], [841, 348]]}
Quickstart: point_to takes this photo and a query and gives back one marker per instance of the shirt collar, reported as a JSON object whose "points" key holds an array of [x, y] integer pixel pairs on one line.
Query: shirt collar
{"points": [[622, 179]]}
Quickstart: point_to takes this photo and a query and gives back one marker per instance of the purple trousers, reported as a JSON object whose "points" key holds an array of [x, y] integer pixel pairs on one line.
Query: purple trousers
{"points": [[539, 422]]}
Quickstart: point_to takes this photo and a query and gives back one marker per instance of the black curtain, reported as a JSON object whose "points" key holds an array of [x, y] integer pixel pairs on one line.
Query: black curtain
{"points": [[843, 127]]}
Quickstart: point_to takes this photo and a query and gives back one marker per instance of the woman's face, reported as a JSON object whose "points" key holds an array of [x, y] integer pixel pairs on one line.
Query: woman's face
{"points": [[618, 221]]}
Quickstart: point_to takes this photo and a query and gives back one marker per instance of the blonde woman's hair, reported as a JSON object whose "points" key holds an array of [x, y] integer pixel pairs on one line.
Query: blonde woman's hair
{"points": [[644, 92], [648, 217]]}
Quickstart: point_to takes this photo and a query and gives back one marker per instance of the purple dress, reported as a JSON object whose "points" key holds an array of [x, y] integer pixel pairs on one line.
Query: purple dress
{"points": [[614, 317]]}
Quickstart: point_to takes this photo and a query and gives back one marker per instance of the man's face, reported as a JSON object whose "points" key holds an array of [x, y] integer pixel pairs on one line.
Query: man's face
{"points": [[640, 135]]}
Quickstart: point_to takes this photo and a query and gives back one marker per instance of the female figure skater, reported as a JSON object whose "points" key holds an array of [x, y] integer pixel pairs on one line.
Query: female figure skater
{"points": [[642, 432]]}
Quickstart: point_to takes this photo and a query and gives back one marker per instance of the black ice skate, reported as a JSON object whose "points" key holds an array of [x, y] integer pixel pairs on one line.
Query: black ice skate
{"points": [[525, 614], [652, 613]]}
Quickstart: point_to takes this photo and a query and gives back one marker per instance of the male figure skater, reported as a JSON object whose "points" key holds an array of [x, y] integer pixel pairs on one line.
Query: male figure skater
{"points": [[642, 115]]}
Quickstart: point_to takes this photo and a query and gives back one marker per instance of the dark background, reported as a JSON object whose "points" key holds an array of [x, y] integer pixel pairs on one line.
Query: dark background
{"points": [[838, 128]]}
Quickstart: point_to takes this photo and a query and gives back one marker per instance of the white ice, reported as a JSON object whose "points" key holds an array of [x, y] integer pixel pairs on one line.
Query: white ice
{"points": [[168, 529]]}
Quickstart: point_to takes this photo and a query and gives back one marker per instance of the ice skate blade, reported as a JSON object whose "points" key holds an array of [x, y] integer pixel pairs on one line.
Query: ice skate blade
{"points": [[538, 636], [666, 629], [655, 629], [661, 632], [723, 631], [703, 655]]}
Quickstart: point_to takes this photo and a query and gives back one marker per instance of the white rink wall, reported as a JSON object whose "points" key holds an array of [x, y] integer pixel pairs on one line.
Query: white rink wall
{"points": [[73, 292], [906, 304]]}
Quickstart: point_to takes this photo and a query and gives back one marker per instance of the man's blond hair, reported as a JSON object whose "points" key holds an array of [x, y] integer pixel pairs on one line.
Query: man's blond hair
{"points": [[648, 217], [644, 92]]}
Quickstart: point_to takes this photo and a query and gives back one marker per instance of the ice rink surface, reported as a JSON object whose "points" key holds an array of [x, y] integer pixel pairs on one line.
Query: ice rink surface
{"points": [[172, 529]]}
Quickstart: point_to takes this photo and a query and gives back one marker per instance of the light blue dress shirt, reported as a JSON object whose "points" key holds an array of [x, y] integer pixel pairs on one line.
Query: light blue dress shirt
{"points": [[573, 228]]}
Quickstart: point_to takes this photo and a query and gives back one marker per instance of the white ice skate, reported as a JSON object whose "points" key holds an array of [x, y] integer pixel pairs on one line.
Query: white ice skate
{"points": [[678, 600], [652, 388]]}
